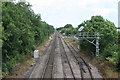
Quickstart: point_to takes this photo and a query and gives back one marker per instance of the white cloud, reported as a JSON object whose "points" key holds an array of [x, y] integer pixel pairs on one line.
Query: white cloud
{"points": [[59, 12], [104, 11]]}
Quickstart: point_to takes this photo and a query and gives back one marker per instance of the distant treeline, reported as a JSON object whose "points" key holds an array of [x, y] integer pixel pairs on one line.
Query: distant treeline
{"points": [[22, 31]]}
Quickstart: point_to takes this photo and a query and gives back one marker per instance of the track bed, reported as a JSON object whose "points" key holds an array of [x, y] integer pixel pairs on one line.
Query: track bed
{"points": [[61, 61]]}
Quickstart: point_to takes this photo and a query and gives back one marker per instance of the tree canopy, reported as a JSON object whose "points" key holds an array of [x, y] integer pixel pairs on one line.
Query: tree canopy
{"points": [[68, 29], [108, 38], [68, 26], [23, 30]]}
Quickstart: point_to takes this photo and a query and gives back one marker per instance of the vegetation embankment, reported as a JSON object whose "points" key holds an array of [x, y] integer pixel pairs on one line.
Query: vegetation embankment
{"points": [[22, 31], [109, 39]]}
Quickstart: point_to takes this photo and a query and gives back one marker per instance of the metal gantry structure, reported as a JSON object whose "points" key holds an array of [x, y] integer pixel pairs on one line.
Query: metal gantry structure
{"points": [[91, 37]]}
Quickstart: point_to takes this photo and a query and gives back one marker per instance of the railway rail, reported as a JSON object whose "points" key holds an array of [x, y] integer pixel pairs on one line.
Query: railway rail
{"points": [[62, 60], [47, 73], [81, 62]]}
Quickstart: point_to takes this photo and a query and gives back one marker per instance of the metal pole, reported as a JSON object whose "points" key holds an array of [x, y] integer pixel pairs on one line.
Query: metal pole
{"points": [[79, 44], [79, 41], [97, 46]]}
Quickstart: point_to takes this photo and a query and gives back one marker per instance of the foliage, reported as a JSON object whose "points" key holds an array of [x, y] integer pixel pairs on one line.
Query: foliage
{"points": [[108, 38], [118, 37], [0, 34], [23, 30], [68, 30], [118, 56], [68, 26], [60, 28]]}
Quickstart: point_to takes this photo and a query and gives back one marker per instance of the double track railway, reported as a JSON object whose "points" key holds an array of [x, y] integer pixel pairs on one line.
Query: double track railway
{"points": [[62, 60]]}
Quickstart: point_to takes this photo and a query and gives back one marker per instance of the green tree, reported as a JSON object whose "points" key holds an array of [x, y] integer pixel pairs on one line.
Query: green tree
{"points": [[68, 26], [108, 35], [23, 30]]}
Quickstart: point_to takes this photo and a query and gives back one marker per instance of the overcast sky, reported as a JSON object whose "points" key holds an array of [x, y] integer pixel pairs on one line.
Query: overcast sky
{"points": [[61, 12]]}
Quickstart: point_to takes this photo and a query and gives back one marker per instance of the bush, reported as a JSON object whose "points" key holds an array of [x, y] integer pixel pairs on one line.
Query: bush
{"points": [[108, 38], [23, 30]]}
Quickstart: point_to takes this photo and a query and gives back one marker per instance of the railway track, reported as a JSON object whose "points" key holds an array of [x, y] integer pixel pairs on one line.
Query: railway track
{"points": [[66, 60], [61, 60], [29, 73], [81, 62], [47, 72]]}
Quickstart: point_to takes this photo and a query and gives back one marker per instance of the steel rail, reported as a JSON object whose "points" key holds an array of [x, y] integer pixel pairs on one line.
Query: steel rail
{"points": [[46, 66], [67, 59], [79, 61], [28, 74]]}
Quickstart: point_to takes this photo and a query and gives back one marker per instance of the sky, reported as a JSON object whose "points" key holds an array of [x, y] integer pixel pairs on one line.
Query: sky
{"points": [[61, 12]]}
